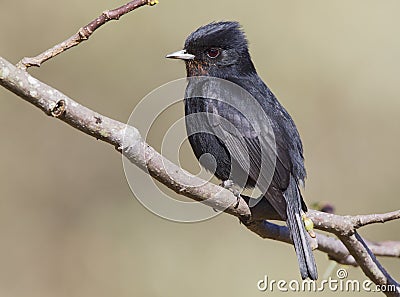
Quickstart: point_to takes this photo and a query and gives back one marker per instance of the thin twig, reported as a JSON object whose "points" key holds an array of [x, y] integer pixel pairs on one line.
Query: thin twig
{"points": [[363, 220], [83, 33]]}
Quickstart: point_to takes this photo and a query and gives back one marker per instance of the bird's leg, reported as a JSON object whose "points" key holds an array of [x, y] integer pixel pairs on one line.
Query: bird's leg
{"points": [[308, 223], [229, 185]]}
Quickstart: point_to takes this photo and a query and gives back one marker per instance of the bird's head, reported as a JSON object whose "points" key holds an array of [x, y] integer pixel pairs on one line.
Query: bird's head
{"points": [[217, 49]]}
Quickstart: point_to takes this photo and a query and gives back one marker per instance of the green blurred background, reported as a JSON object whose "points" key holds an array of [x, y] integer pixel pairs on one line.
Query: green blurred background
{"points": [[69, 224]]}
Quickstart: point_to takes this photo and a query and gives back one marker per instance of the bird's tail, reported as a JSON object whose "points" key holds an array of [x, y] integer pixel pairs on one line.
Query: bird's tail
{"points": [[305, 256]]}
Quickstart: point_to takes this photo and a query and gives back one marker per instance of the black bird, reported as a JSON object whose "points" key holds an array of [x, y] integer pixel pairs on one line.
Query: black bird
{"points": [[236, 132]]}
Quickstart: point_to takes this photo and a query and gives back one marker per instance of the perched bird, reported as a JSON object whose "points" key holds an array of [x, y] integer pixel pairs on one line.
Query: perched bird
{"points": [[236, 132]]}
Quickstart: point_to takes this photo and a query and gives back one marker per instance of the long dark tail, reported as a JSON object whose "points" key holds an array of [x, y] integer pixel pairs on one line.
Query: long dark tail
{"points": [[305, 256]]}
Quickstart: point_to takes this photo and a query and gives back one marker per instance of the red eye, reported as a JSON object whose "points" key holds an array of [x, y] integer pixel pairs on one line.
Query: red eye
{"points": [[213, 53]]}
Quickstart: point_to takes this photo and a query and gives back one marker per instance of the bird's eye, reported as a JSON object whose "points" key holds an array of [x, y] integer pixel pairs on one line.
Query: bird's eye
{"points": [[213, 53]]}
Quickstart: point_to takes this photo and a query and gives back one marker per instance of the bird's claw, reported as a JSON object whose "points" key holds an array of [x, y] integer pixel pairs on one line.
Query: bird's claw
{"points": [[229, 185]]}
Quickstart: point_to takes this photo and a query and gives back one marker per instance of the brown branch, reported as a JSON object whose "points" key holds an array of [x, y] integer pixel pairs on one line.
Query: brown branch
{"points": [[127, 140], [363, 220], [369, 264], [83, 33], [334, 248], [384, 248]]}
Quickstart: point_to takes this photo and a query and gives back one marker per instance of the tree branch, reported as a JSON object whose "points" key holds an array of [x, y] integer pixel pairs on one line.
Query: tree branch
{"points": [[368, 263], [351, 250], [83, 33], [334, 248], [363, 220]]}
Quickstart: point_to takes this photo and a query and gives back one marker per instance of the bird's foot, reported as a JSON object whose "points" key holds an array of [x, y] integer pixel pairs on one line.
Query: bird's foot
{"points": [[309, 224], [229, 185]]}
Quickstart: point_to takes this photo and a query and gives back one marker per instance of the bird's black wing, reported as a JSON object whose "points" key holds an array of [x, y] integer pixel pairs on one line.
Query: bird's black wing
{"points": [[257, 152], [242, 127], [284, 194], [243, 123]]}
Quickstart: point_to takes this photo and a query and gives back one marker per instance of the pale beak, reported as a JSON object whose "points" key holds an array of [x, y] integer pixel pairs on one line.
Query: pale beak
{"points": [[182, 55]]}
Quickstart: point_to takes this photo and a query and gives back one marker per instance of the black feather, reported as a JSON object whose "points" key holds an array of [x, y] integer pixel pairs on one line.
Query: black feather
{"points": [[237, 152], [218, 34]]}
